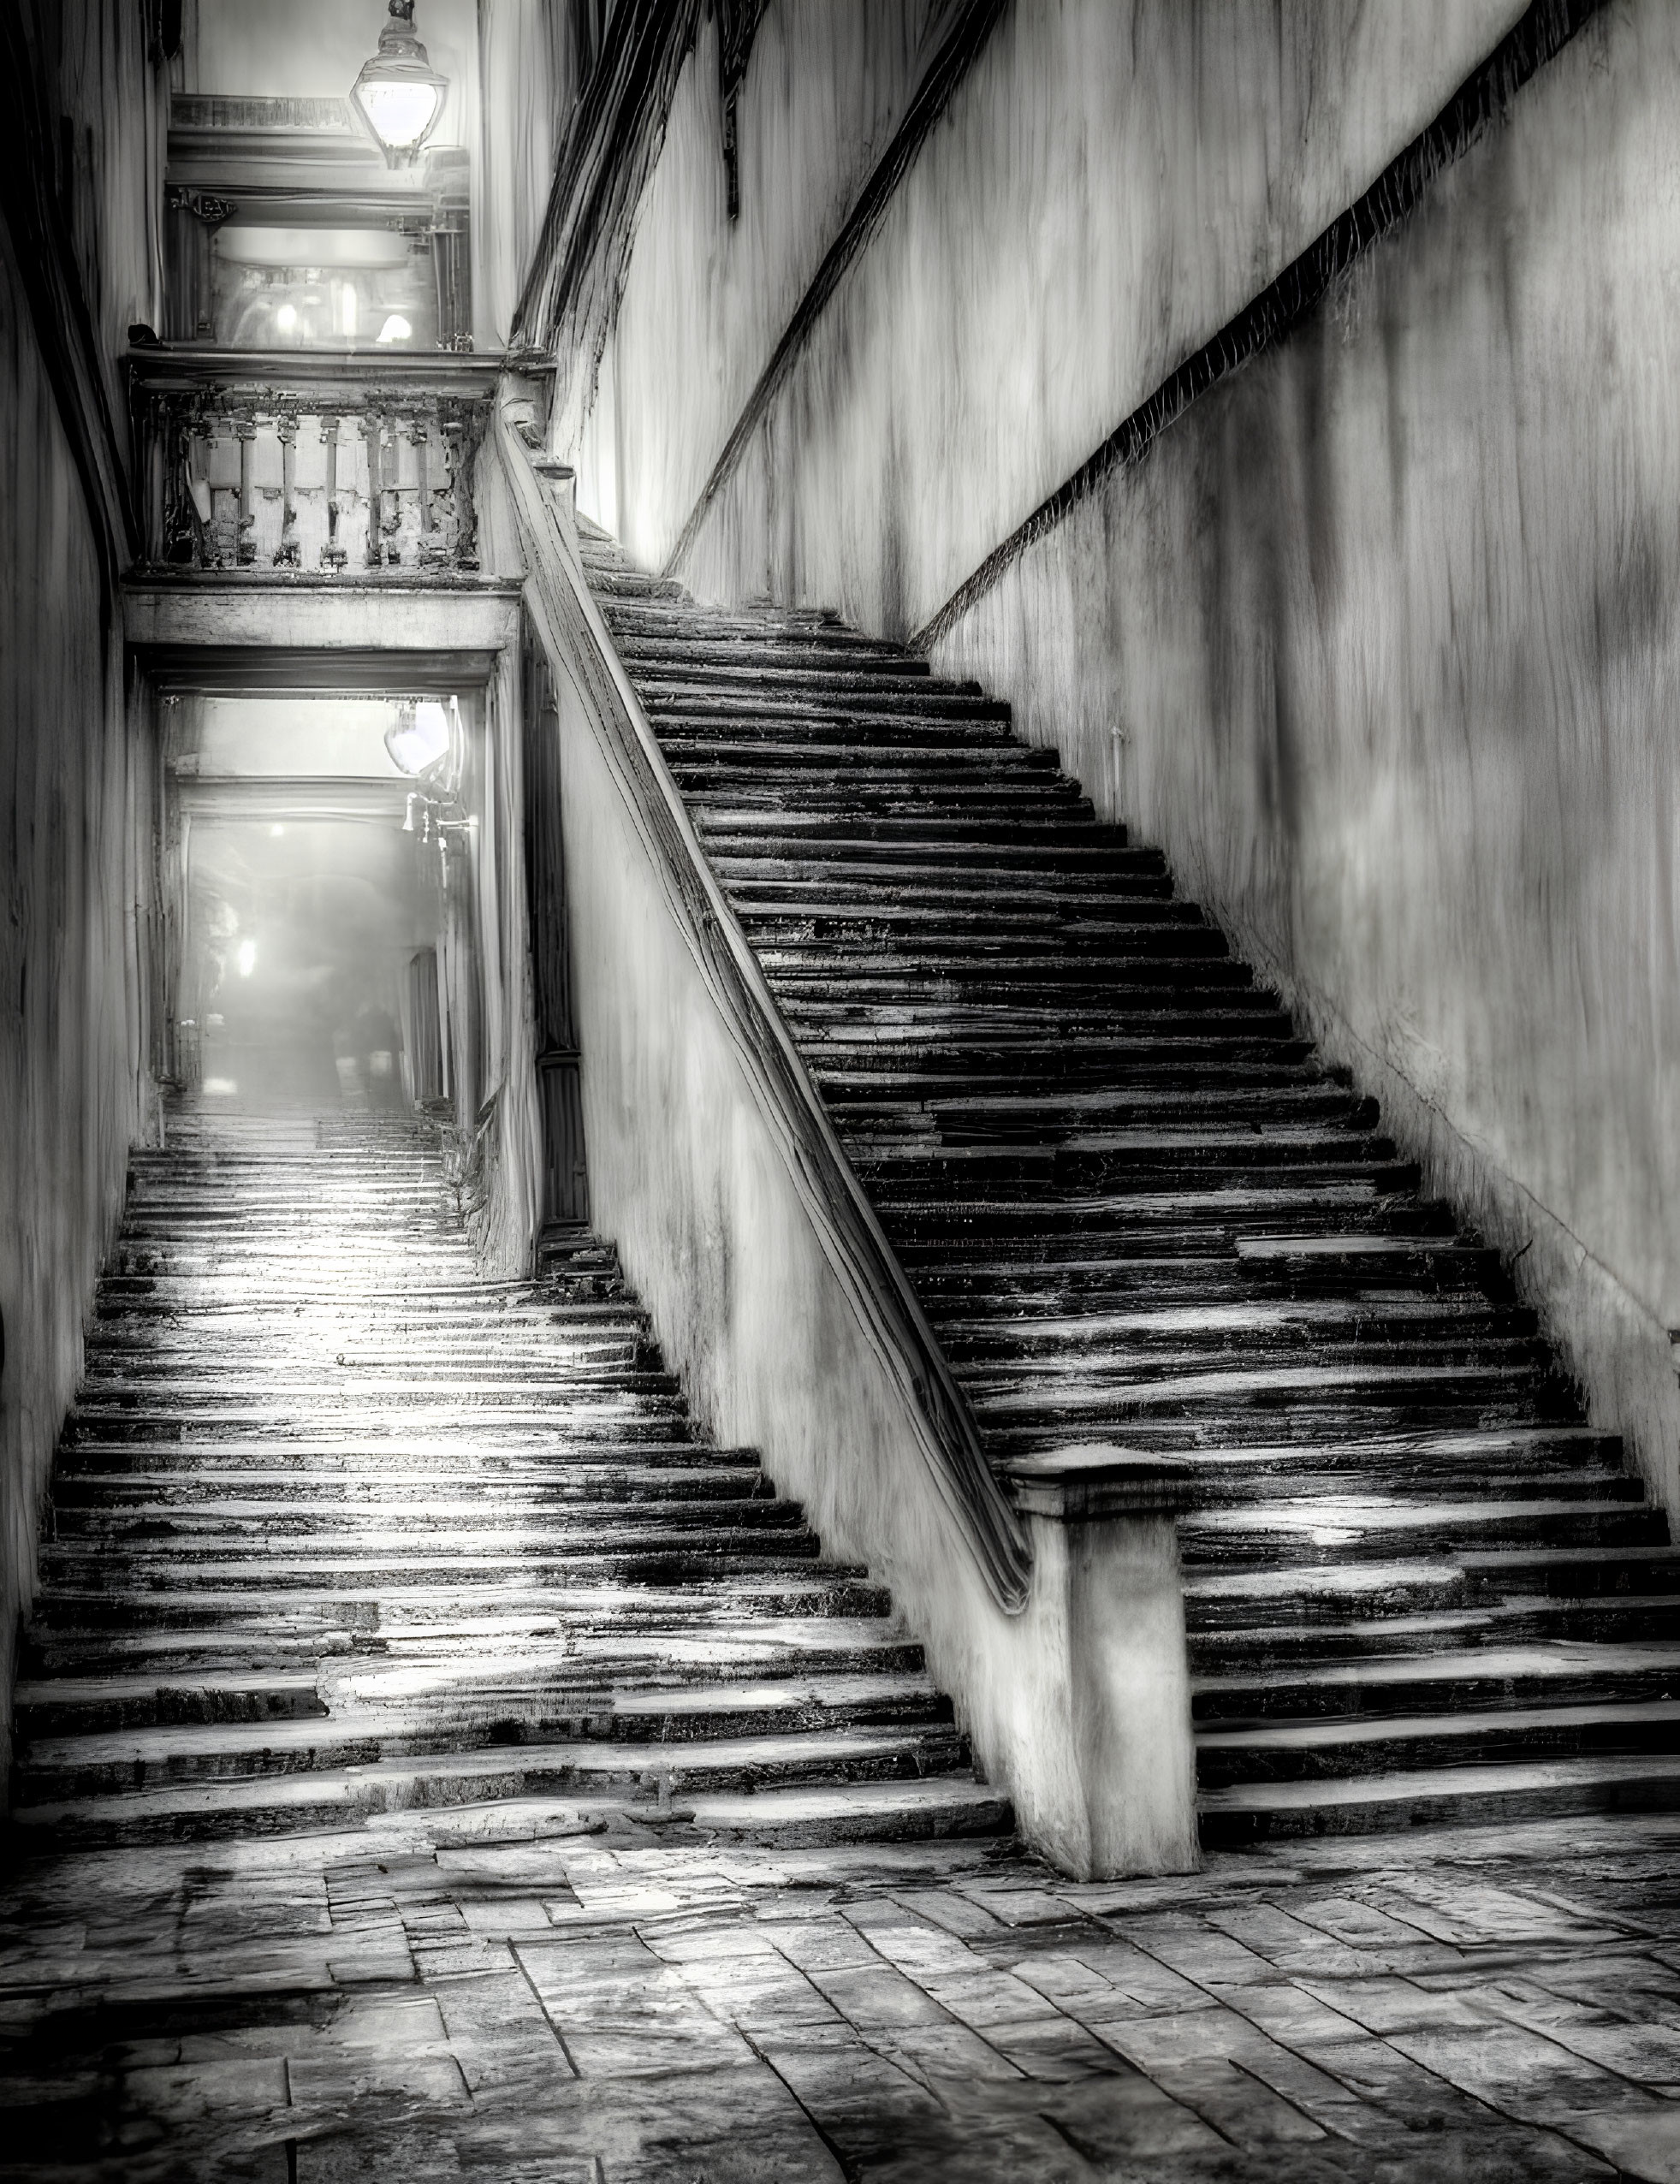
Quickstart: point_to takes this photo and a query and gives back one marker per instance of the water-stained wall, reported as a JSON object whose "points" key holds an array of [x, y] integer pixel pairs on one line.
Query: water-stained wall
{"points": [[1109, 183], [1376, 640], [77, 777]]}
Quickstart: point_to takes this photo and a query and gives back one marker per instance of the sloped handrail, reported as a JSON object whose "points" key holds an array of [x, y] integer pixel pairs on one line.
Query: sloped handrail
{"points": [[570, 626]]}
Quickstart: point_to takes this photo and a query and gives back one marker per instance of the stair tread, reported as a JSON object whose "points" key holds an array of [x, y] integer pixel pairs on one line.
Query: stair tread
{"points": [[1319, 1733], [150, 1747], [1445, 1782], [1558, 1658]]}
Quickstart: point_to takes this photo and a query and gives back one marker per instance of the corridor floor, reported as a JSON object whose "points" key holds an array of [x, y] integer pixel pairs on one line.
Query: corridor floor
{"points": [[437, 1996]]}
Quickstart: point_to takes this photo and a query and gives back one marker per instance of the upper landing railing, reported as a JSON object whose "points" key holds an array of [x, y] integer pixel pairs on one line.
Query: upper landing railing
{"points": [[328, 463]]}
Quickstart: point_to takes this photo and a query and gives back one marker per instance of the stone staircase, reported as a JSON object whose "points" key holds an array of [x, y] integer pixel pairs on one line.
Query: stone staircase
{"points": [[339, 1528], [1137, 1209]]}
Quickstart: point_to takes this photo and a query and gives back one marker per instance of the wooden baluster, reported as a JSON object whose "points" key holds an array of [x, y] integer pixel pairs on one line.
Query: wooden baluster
{"points": [[333, 556]]}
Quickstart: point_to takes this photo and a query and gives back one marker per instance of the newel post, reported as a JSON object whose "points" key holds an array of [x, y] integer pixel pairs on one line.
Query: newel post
{"points": [[1109, 1604]]}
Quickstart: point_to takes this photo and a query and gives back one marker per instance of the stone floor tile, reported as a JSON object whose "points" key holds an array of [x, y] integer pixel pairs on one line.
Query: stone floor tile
{"points": [[984, 1999], [344, 2078], [1054, 2049], [1138, 1980], [1644, 2146], [1019, 1907], [1521, 2074], [874, 1994], [506, 1915], [1645, 2054], [1384, 1942], [1289, 1943], [1120, 2115], [1448, 1909], [1060, 1977], [1196, 1951], [956, 1913], [936, 2051], [829, 1944]]}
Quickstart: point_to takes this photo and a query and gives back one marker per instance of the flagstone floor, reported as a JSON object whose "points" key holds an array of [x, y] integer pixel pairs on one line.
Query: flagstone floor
{"points": [[477, 1994]]}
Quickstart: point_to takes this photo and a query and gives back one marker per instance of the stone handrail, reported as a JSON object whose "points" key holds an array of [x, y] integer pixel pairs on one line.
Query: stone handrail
{"points": [[570, 626]]}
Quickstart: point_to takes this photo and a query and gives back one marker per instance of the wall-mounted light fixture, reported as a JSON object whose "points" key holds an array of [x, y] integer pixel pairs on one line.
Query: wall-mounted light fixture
{"points": [[420, 735], [398, 94]]}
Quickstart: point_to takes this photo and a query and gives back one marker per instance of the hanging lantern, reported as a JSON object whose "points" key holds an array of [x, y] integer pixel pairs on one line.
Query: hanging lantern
{"points": [[398, 94]]}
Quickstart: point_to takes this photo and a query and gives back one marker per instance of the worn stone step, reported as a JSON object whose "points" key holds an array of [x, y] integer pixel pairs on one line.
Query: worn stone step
{"points": [[674, 1584], [64, 1705], [646, 1635], [96, 1500], [1493, 1794], [450, 1757], [1346, 1528], [1562, 1672], [886, 1811], [461, 1693], [1323, 1750]]}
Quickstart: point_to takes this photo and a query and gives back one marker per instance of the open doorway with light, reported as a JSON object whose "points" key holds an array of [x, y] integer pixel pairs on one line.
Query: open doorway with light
{"points": [[324, 894]]}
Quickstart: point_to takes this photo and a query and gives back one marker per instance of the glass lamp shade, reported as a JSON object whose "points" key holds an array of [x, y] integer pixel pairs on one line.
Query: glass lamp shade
{"points": [[398, 94], [419, 736]]}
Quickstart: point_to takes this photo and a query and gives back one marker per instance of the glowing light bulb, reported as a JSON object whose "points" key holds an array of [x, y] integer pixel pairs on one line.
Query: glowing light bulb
{"points": [[286, 318], [398, 94], [396, 327], [247, 958], [420, 736], [400, 113]]}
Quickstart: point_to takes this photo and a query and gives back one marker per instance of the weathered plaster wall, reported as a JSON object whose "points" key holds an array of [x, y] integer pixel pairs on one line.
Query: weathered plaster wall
{"points": [[824, 90], [75, 787], [1111, 182], [1380, 642], [1377, 641], [526, 67]]}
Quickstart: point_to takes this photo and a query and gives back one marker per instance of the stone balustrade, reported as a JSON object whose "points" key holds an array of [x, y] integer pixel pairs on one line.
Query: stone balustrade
{"points": [[319, 464]]}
